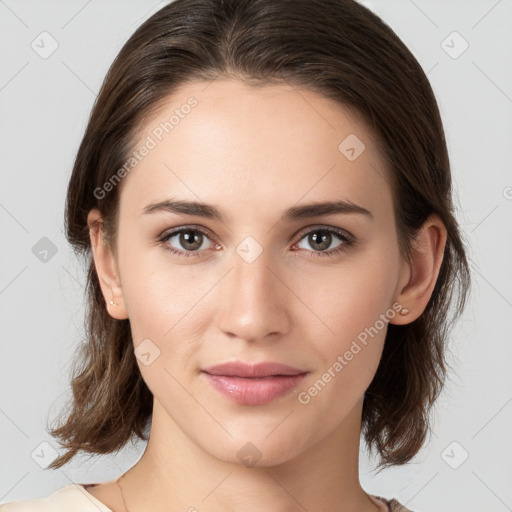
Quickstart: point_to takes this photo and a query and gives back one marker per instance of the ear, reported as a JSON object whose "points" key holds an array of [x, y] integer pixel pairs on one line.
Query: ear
{"points": [[106, 267], [418, 277]]}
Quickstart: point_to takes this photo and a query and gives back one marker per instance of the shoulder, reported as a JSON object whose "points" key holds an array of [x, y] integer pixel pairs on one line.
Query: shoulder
{"points": [[72, 497]]}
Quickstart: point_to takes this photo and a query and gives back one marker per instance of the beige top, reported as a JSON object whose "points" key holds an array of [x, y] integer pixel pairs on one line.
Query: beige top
{"points": [[74, 498]]}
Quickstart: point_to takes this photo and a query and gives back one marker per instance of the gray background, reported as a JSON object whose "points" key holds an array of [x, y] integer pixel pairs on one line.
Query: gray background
{"points": [[44, 106]]}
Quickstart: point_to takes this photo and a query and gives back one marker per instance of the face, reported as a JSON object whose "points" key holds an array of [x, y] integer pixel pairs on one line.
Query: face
{"points": [[263, 278]]}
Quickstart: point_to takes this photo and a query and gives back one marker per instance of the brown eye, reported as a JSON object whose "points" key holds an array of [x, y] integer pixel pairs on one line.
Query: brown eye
{"points": [[321, 239], [190, 240], [185, 241]]}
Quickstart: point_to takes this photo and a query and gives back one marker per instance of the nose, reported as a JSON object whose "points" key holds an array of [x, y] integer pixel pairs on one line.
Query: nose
{"points": [[254, 299]]}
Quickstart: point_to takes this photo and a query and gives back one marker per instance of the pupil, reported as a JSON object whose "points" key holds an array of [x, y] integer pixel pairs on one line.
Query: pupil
{"points": [[187, 238], [325, 240]]}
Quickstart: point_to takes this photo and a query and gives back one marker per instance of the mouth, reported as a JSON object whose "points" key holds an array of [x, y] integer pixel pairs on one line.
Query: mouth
{"points": [[250, 384]]}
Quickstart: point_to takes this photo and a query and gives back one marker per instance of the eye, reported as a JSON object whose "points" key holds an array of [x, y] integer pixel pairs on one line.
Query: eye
{"points": [[320, 239], [189, 239]]}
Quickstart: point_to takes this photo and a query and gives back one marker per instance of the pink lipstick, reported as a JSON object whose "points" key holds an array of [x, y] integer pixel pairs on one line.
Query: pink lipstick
{"points": [[253, 384]]}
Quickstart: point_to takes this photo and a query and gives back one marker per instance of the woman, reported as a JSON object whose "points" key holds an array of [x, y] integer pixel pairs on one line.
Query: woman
{"points": [[264, 193]]}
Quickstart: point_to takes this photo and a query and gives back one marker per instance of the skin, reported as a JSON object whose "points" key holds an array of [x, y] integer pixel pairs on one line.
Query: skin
{"points": [[255, 152]]}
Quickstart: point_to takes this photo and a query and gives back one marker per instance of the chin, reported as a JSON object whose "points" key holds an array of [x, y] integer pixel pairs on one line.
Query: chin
{"points": [[257, 451]]}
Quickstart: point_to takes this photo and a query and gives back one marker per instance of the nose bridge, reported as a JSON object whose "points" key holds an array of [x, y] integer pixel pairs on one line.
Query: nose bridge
{"points": [[254, 302]]}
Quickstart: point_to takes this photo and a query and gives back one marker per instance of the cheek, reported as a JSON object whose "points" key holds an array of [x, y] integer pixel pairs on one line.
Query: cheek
{"points": [[355, 307], [352, 297], [166, 304], [348, 360], [155, 292]]}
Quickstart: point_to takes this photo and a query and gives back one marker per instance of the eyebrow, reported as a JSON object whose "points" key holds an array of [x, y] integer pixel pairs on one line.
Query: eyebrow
{"points": [[294, 213]]}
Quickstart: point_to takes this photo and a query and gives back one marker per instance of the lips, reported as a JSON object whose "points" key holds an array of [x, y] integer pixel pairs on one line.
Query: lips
{"points": [[253, 384], [246, 370]]}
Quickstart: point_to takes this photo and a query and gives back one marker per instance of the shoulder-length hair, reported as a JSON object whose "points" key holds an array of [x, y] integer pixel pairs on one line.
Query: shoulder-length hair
{"points": [[341, 50]]}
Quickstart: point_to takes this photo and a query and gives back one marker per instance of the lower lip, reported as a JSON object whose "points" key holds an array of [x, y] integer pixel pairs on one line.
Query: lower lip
{"points": [[254, 391]]}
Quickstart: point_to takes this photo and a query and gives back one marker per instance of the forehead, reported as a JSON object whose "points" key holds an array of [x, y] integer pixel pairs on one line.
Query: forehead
{"points": [[230, 142]]}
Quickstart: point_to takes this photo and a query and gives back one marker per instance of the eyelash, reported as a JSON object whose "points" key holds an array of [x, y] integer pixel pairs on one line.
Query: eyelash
{"points": [[348, 241]]}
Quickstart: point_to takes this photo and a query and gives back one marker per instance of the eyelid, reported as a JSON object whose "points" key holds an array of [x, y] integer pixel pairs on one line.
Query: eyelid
{"points": [[319, 227], [169, 233]]}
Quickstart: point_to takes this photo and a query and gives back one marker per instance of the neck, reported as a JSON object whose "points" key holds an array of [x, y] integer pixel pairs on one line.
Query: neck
{"points": [[174, 473]]}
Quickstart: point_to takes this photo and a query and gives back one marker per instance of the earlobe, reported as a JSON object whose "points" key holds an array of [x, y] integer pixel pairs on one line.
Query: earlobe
{"points": [[423, 270], [106, 267]]}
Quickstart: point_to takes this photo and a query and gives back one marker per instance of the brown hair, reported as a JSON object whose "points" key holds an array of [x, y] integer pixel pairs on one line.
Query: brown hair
{"points": [[341, 50]]}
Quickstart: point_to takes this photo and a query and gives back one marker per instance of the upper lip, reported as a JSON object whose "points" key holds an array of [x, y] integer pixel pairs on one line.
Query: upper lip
{"points": [[242, 369]]}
